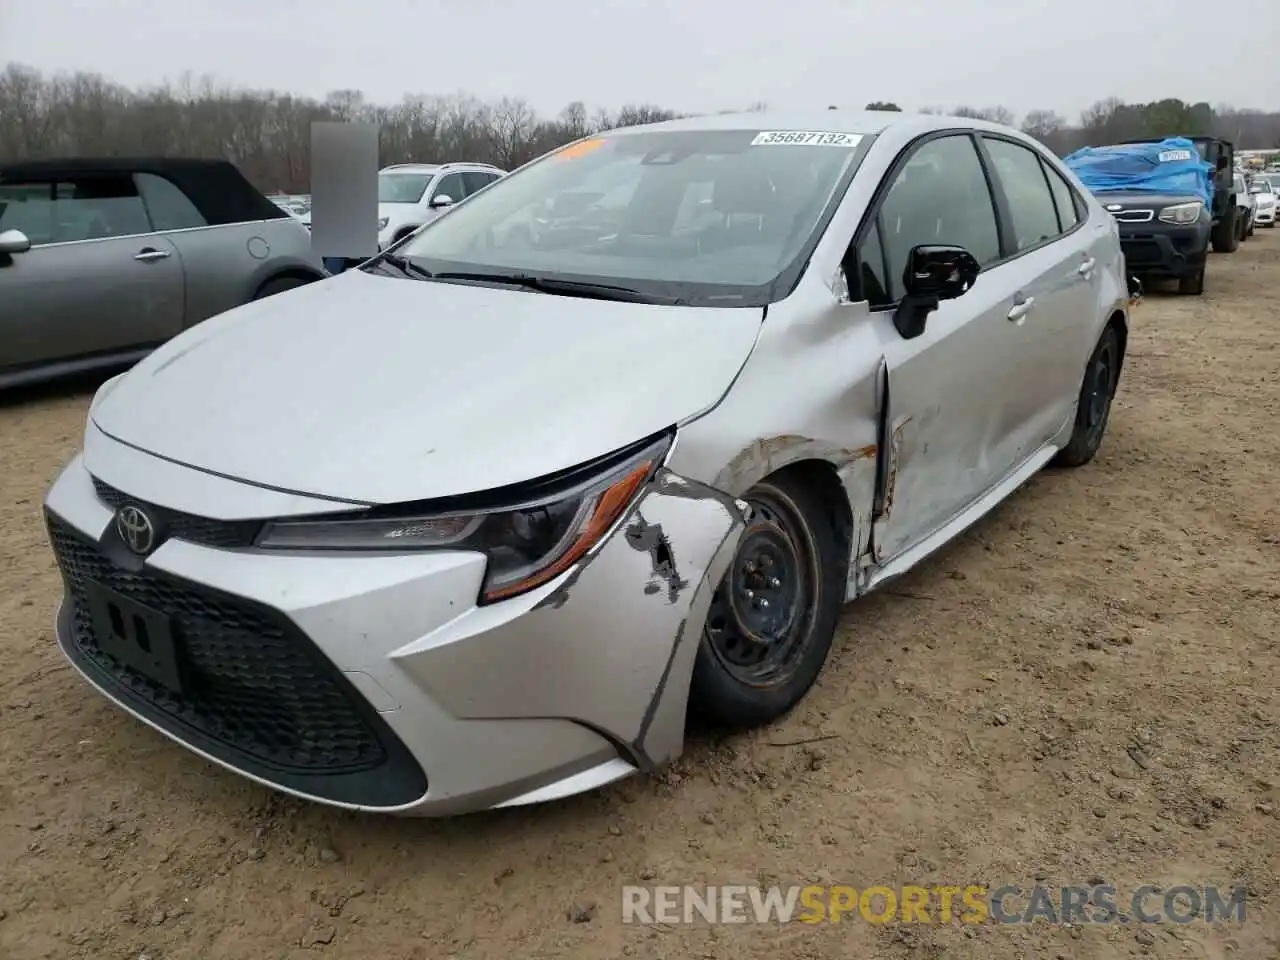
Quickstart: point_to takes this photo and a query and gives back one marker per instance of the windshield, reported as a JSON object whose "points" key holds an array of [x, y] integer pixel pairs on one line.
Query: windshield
{"points": [[710, 212], [1238, 185], [402, 187]]}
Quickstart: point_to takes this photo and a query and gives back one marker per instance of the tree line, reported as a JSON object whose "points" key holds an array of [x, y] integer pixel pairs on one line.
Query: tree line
{"points": [[267, 134]]}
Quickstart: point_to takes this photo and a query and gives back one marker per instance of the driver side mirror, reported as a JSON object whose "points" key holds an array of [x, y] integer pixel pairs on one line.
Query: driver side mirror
{"points": [[441, 200], [14, 241], [934, 273]]}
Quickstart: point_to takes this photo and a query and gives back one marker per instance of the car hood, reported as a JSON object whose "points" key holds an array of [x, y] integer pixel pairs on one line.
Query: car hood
{"points": [[381, 390]]}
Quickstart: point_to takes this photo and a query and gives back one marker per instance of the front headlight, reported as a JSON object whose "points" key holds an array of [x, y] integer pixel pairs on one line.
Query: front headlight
{"points": [[382, 222], [1182, 212], [527, 544]]}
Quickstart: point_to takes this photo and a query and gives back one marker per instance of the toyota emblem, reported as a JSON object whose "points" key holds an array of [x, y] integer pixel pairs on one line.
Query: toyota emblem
{"points": [[136, 529]]}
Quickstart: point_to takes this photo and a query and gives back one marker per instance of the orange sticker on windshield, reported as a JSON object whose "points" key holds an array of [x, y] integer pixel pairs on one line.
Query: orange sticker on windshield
{"points": [[581, 148]]}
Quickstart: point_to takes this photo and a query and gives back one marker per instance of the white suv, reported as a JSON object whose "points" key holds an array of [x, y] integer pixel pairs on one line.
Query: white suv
{"points": [[411, 194]]}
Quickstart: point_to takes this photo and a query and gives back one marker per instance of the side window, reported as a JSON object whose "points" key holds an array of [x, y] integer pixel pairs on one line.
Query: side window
{"points": [[870, 283], [168, 205], [1064, 198], [90, 208], [28, 207], [1031, 206], [475, 180], [450, 185], [939, 197]]}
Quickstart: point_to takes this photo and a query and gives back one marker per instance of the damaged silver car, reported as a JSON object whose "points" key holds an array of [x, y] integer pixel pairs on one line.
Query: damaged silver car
{"points": [[479, 523]]}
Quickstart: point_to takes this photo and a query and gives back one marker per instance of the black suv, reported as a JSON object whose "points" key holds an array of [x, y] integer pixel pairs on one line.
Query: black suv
{"points": [[1169, 236]]}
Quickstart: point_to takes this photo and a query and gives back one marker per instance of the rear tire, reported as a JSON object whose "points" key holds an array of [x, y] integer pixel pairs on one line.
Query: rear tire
{"points": [[1093, 408], [756, 661], [1192, 284], [279, 285]]}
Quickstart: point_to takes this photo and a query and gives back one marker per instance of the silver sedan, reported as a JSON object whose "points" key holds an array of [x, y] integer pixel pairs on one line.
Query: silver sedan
{"points": [[103, 260], [478, 523]]}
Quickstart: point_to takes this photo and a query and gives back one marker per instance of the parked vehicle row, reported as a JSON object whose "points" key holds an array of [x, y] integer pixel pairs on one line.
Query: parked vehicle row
{"points": [[478, 523], [1175, 199]]}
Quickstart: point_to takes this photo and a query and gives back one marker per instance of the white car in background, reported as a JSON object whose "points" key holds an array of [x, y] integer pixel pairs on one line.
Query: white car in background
{"points": [[1263, 193], [411, 194], [1245, 201]]}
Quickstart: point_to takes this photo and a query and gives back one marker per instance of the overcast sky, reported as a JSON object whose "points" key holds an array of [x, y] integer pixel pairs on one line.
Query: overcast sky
{"points": [[693, 55]]}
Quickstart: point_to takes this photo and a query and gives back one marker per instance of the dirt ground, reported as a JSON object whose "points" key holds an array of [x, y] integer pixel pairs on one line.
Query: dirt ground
{"points": [[1082, 688]]}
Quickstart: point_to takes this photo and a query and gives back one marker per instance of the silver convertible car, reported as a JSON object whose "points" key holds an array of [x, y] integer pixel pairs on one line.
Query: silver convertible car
{"points": [[478, 523], [101, 260]]}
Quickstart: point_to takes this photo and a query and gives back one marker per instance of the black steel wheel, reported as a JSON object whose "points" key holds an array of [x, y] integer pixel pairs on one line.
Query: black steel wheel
{"points": [[771, 621], [1093, 409]]}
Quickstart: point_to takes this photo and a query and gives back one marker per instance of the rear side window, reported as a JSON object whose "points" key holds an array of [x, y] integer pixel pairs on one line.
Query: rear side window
{"points": [[1031, 204], [70, 210], [168, 205], [1064, 198], [939, 197]]}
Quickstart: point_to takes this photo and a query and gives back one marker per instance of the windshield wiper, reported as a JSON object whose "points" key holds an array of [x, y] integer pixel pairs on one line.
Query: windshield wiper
{"points": [[405, 266], [564, 288]]}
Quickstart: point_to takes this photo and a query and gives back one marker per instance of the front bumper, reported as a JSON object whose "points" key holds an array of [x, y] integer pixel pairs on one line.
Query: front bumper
{"points": [[374, 682], [1265, 216], [1164, 251]]}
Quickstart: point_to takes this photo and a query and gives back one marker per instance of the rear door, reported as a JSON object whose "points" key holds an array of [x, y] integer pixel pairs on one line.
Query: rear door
{"points": [[1059, 279], [97, 279], [217, 261]]}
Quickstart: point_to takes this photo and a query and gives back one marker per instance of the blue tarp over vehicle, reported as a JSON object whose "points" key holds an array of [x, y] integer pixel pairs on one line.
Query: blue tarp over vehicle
{"points": [[1171, 167]]}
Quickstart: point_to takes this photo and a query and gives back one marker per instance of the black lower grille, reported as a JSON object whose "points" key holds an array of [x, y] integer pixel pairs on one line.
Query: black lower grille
{"points": [[257, 693], [186, 526]]}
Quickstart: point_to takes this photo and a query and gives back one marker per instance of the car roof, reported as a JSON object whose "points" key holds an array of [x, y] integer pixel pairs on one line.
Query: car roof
{"points": [[411, 168], [216, 186], [859, 122]]}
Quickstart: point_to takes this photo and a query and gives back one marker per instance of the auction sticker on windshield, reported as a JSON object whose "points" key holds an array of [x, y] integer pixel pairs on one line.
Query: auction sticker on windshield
{"points": [[1168, 156], [805, 138]]}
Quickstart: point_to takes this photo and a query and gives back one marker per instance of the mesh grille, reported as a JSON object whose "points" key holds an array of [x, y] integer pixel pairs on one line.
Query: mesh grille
{"points": [[256, 685]]}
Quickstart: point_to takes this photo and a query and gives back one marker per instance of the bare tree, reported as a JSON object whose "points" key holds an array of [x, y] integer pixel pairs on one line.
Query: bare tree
{"points": [[267, 133]]}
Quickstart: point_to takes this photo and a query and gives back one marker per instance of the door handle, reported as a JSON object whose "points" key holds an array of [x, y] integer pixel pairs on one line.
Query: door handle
{"points": [[1086, 267], [1021, 307], [147, 254]]}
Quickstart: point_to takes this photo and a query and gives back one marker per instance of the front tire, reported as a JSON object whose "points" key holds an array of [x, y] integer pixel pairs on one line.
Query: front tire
{"points": [[1192, 284], [1093, 408], [771, 621]]}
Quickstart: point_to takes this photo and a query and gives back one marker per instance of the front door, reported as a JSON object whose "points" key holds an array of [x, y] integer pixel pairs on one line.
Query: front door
{"points": [[944, 395], [96, 279]]}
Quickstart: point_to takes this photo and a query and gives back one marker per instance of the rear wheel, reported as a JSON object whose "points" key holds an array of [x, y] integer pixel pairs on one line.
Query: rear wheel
{"points": [[771, 622], [279, 285], [1093, 408], [1192, 284]]}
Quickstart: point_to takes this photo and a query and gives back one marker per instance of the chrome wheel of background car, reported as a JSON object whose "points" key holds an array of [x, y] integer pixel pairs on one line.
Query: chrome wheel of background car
{"points": [[761, 616]]}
